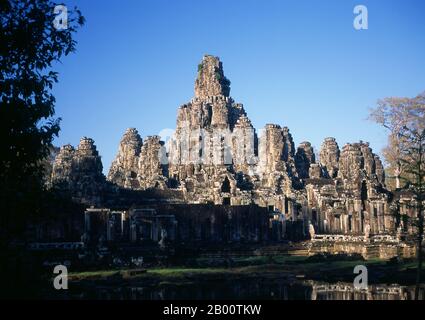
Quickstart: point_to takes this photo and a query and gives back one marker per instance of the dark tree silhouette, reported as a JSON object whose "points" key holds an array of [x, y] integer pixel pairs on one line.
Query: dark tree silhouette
{"points": [[29, 46]]}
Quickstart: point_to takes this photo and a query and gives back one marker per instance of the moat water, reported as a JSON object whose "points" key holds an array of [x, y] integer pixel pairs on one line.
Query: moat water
{"points": [[244, 289]]}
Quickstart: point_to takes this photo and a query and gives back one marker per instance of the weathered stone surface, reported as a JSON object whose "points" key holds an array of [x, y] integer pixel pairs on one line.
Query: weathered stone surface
{"points": [[329, 157], [80, 171], [357, 167], [151, 169], [125, 166], [276, 155], [304, 158], [214, 143], [379, 170], [87, 160], [215, 157], [350, 164], [355, 202], [244, 146], [63, 170], [315, 171], [211, 80]]}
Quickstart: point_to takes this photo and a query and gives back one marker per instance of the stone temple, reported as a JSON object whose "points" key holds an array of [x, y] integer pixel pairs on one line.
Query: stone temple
{"points": [[216, 157]]}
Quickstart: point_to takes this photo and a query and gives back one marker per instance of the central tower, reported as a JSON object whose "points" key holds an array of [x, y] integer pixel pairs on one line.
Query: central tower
{"points": [[211, 80]]}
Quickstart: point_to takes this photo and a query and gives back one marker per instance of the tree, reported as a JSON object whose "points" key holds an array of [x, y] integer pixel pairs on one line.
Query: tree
{"points": [[413, 159], [395, 114], [30, 44], [405, 153]]}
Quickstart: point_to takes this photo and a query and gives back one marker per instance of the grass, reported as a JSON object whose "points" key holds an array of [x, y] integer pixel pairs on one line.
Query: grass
{"points": [[253, 266], [174, 272], [92, 274], [183, 272], [255, 260]]}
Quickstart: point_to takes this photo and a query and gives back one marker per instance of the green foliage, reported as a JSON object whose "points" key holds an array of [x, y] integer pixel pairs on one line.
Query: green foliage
{"points": [[200, 66]]}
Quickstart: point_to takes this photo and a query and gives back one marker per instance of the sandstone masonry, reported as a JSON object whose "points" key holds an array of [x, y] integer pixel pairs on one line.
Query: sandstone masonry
{"points": [[217, 157]]}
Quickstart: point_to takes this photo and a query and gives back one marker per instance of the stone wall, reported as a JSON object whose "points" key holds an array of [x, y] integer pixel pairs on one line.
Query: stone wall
{"points": [[369, 250], [186, 224]]}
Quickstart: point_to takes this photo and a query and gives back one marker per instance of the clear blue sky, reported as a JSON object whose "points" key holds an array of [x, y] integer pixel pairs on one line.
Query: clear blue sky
{"points": [[299, 64]]}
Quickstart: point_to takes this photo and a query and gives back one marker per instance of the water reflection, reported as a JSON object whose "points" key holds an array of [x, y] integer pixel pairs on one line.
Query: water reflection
{"points": [[344, 291], [245, 289]]}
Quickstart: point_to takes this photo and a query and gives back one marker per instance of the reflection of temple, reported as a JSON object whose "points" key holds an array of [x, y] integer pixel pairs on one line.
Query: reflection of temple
{"points": [[346, 291]]}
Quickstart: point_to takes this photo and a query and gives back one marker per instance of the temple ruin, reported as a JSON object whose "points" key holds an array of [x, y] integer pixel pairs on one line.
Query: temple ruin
{"points": [[217, 158]]}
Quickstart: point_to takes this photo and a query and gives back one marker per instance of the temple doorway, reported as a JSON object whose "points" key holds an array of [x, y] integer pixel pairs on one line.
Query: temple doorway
{"points": [[225, 187]]}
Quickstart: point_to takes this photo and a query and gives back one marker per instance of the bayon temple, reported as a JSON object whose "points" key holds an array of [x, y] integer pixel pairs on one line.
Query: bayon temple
{"points": [[216, 159]]}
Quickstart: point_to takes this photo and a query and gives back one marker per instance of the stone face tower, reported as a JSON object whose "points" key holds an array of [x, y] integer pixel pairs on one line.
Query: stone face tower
{"points": [[329, 157], [124, 168], [211, 80], [213, 137], [80, 171]]}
